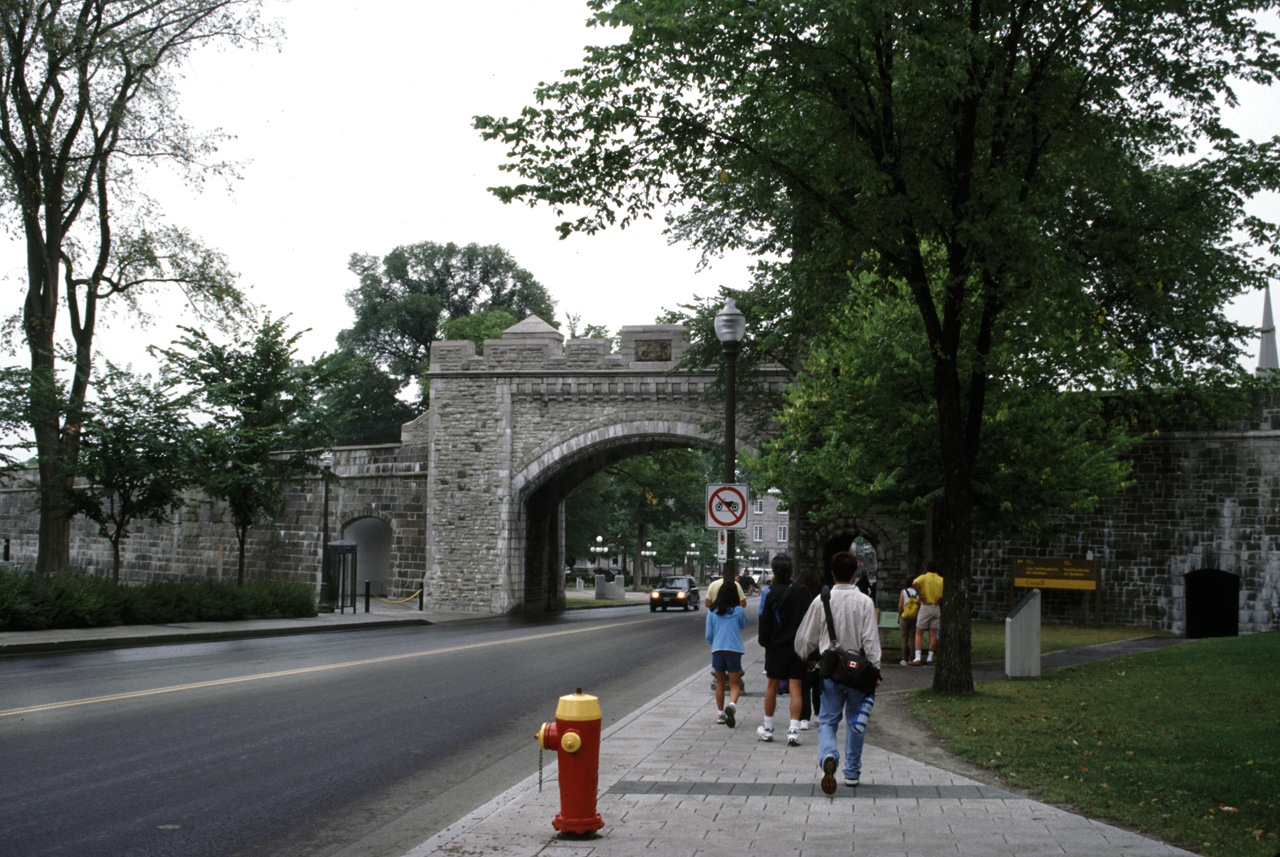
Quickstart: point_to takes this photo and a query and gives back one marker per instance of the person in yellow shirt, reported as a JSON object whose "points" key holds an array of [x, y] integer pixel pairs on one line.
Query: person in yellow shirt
{"points": [[929, 585]]}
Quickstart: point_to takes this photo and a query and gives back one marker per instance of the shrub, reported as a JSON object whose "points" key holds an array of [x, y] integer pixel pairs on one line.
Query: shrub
{"points": [[76, 600]]}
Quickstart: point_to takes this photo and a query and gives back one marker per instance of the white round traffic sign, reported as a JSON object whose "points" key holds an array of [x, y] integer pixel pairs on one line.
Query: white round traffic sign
{"points": [[726, 506]]}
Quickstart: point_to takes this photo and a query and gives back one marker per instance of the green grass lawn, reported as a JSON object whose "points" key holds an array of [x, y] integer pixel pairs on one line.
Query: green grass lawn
{"points": [[988, 639], [1183, 742]]}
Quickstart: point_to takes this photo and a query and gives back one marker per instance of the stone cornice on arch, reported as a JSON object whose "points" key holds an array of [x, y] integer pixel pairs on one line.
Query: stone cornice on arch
{"points": [[554, 456], [350, 516]]}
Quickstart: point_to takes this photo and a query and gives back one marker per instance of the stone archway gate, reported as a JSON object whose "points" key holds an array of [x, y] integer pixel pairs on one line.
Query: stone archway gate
{"points": [[511, 433]]}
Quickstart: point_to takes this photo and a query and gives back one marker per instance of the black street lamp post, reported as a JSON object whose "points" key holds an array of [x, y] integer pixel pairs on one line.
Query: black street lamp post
{"points": [[326, 585], [648, 553], [731, 328]]}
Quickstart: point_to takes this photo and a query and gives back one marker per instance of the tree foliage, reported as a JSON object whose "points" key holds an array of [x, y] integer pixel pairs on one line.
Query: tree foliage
{"points": [[137, 454], [262, 426], [362, 403], [88, 92], [405, 299], [1018, 168], [654, 497]]}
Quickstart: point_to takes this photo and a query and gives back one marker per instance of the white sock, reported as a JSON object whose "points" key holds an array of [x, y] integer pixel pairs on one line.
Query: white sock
{"points": [[794, 727], [768, 723], [917, 654], [931, 657]]}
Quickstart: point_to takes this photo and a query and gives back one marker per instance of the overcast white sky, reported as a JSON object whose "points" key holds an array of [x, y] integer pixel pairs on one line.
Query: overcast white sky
{"points": [[357, 137]]}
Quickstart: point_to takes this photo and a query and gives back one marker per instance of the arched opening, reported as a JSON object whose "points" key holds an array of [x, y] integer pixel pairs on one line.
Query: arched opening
{"points": [[544, 524], [1212, 603], [373, 552]]}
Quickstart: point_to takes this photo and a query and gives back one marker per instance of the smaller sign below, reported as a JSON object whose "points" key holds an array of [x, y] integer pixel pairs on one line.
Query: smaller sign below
{"points": [[722, 545]]}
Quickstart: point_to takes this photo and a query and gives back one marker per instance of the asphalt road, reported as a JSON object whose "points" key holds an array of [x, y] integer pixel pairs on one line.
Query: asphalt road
{"points": [[362, 743]]}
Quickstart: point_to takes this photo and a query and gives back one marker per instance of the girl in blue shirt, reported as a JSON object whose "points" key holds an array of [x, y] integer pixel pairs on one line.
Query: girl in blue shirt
{"points": [[725, 621]]}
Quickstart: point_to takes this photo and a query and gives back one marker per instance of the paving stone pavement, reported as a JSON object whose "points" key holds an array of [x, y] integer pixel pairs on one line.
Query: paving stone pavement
{"points": [[674, 783]]}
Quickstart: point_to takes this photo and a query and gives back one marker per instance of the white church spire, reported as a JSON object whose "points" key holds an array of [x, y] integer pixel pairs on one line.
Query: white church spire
{"points": [[1267, 349]]}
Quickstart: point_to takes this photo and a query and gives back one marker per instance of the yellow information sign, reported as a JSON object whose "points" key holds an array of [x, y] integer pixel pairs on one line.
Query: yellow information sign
{"points": [[1029, 573]]}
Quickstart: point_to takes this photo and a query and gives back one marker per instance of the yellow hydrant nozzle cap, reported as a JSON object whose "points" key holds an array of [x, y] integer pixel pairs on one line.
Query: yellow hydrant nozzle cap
{"points": [[571, 742], [578, 706]]}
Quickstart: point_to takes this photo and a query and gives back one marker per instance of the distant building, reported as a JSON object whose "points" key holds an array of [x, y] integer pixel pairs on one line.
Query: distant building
{"points": [[768, 531]]}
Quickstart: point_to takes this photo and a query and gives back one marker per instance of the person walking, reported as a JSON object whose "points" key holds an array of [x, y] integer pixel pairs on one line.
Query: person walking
{"points": [[929, 585], [812, 704], [908, 607], [854, 619], [725, 621], [783, 610]]}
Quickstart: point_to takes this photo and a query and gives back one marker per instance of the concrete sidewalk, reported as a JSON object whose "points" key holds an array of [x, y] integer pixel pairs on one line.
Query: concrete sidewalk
{"points": [[672, 782]]}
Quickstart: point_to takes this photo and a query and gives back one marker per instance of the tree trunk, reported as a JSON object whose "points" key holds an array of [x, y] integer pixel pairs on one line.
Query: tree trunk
{"points": [[115, 559]]}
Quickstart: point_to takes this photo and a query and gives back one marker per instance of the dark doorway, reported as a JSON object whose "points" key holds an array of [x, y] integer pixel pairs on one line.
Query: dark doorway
{"points": [[1212, 603]]}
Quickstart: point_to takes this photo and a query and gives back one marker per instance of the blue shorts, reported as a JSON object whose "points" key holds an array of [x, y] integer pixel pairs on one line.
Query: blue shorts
{"points": [[726, 662]]}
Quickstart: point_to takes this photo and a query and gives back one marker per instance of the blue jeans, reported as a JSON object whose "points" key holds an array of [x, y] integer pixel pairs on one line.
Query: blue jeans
{"points": [[837, 701]]}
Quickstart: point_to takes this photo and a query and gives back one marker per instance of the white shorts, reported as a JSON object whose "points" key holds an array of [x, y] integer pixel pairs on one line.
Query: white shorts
{"points": [[930, 616]]}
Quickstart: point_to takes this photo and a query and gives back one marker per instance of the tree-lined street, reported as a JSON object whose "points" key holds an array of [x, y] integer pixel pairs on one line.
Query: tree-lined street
{"points": [[334, 744]]}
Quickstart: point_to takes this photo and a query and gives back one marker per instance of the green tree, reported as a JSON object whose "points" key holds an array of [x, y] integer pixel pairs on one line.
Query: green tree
{"points": [[362, 403], [487, 324], [88, 91], [404, 299], [137, 455], [1007, 163], [863, 409], [262, 426], [643, 498]]}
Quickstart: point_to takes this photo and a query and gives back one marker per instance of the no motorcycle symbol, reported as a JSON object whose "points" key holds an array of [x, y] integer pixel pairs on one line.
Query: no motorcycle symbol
{"points": [[726, 507]]}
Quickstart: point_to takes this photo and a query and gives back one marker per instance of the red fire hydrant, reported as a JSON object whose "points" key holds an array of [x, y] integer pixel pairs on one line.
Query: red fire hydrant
{"points": [[576, 738]]}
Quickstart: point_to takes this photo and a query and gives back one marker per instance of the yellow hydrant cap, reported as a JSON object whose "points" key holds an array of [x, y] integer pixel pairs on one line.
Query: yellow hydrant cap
{"points": [[578, 706]]}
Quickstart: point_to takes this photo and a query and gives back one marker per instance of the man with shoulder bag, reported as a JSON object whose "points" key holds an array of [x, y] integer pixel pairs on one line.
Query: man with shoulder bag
{"points": [[842, 627]]}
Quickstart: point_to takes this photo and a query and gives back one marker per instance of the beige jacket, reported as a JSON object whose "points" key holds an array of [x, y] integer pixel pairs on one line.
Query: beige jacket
{"points": [[855, 620]]}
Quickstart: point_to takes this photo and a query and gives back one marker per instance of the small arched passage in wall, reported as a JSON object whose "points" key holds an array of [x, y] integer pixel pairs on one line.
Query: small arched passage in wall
{"points": [[1212, 603], [543, 494], [373, 552], [839, 535]]}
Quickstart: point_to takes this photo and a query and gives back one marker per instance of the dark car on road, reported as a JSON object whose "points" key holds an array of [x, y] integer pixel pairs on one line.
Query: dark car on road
{"points": [[675, 591]]}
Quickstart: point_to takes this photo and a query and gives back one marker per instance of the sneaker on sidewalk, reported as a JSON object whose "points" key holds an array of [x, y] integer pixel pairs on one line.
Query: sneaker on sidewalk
{"points": [[852, 782], [804, 725], [729, 711], [764, 734], [793, 737], [829, 775], [902, 663], [721, 717]]}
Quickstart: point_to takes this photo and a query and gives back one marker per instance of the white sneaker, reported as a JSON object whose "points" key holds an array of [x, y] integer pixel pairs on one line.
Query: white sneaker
{"points": [[804, 725], [729, 711], [793, 737], [764, 734], [720, 718]]}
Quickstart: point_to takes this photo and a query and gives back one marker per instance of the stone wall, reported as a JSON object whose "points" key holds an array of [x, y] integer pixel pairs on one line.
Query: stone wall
{"points": [[384, 482], [1199, 501]]}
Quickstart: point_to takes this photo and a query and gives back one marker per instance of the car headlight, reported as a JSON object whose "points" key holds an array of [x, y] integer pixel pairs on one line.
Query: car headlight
{"points": [[655, 594], [681, 594]]}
